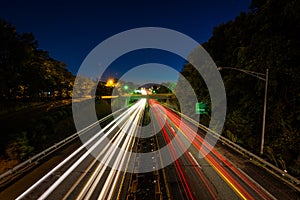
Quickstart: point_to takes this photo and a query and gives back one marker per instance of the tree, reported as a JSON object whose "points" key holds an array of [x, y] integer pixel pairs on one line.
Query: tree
{"points": [[19, 149], [27, 72], [265, 37]]}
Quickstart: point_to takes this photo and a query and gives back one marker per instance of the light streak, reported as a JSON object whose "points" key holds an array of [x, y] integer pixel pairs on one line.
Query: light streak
{"points": [[204, 147], [126, 129], [178, 168], [115, 123]]}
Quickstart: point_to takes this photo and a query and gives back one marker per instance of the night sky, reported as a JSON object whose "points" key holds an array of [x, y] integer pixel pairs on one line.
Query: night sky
{"points": [[69, 30]]}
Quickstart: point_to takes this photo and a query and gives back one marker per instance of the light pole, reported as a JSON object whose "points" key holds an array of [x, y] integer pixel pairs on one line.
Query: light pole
{"points": [[265, 78]]}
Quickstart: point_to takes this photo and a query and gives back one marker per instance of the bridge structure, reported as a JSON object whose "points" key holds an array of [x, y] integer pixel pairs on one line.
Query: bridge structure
{"points": [[128, 99], [139, 96]]}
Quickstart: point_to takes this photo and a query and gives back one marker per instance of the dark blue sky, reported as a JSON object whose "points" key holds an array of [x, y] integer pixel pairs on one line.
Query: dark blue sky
{"points": [[69, 30]]}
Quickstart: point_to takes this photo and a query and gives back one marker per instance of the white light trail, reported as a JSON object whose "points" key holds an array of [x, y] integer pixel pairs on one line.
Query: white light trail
{"points": [[119, 161], [114, 175], [116, 121], [98, 173], [69, 171]]}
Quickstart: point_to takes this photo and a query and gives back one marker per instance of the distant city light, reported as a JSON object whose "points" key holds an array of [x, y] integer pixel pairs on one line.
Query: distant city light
{"points": [[143, 91], [110, 83]]}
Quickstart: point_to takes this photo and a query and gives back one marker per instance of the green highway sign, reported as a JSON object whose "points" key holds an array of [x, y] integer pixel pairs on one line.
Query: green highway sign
{"points": [[201, 108]]}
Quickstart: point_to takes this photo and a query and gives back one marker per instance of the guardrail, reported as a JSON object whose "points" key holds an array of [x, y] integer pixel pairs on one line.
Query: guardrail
{"points": [[22, 167], [283, 175]]}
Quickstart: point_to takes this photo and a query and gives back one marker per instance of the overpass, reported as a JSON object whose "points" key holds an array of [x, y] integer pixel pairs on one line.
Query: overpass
{"points": [[139, 96]]}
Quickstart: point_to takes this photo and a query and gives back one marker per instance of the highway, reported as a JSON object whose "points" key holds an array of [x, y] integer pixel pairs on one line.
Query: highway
{"points": [[124, 161], [211, 177]]}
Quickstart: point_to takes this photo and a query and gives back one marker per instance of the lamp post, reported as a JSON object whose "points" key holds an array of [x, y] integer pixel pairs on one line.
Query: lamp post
{"points": [[265, 78]]}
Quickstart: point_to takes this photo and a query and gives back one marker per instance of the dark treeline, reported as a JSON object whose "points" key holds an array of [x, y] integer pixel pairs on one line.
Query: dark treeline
{"points": [[265, 37], [35, 92], [31, 82], [27, 72]]}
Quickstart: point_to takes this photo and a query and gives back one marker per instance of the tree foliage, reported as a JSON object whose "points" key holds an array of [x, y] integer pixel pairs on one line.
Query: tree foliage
{"points": [[27, 72], [19, 149], [265, 37]]}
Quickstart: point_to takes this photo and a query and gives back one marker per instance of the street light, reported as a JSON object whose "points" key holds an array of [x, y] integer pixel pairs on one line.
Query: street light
{"points": [[110, 83], [265, 78]]}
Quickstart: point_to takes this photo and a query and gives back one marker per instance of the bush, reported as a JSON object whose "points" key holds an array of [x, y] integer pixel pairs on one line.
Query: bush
{"points": [[19, 149]]}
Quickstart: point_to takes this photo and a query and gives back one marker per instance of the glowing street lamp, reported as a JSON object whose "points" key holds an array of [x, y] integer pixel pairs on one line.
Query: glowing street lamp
{"points": [[110, 83]]}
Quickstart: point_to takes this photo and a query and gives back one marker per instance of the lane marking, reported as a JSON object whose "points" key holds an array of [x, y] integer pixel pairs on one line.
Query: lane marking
{"points": [[195, 161]]}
